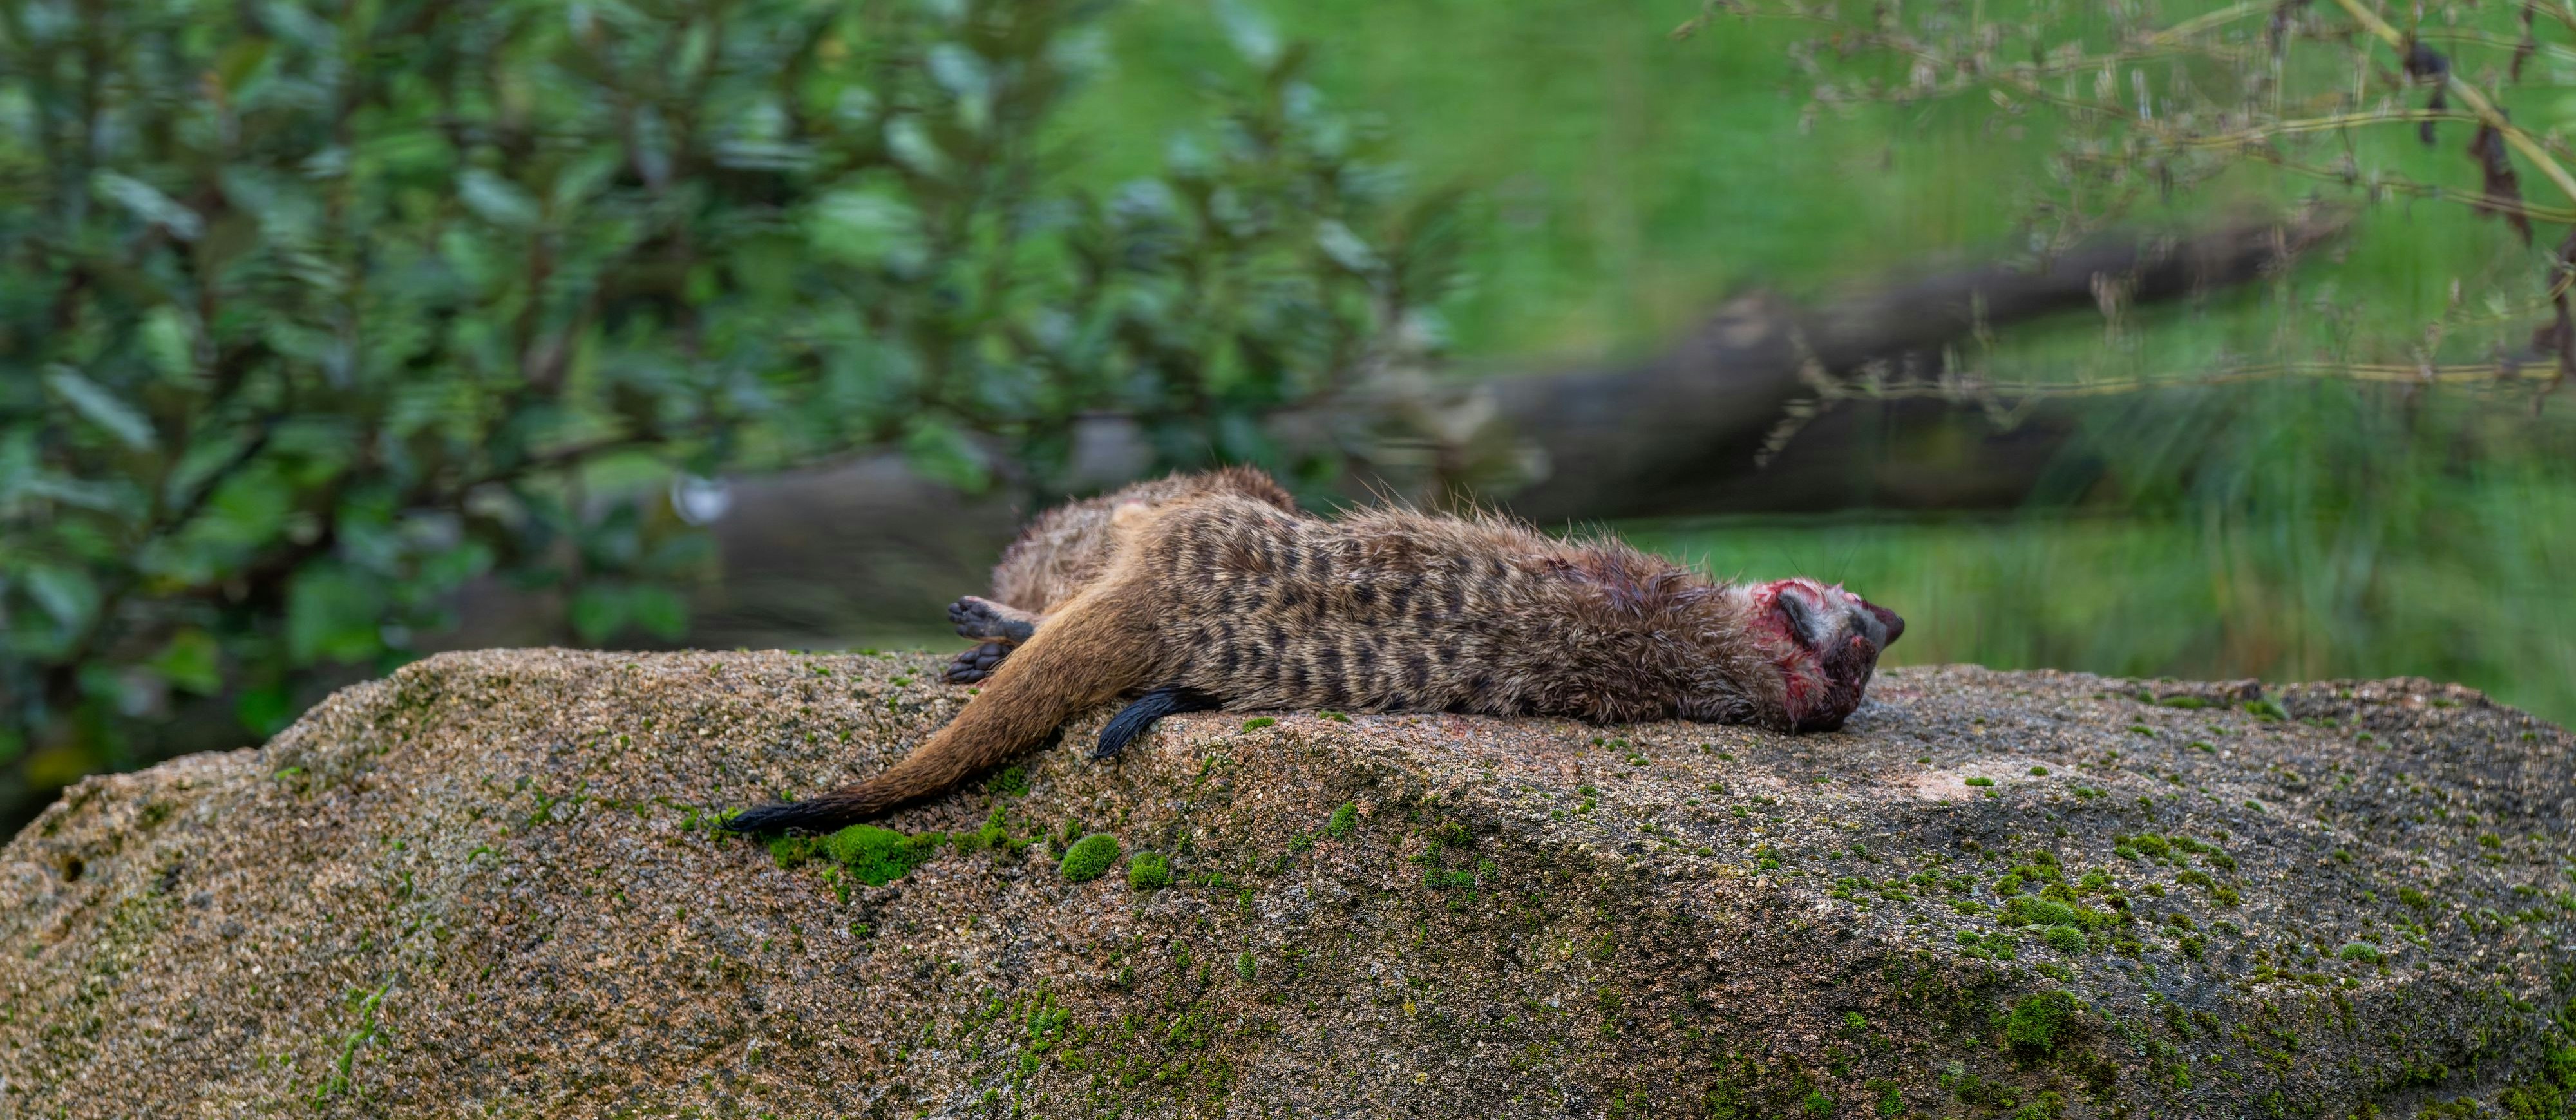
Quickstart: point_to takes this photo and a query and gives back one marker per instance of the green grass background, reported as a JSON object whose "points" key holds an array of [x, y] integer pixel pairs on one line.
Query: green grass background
{"points": [[1627, 182]]}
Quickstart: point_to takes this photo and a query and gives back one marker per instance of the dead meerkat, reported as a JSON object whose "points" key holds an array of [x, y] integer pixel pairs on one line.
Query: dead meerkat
{"points": [[1214, 591]]}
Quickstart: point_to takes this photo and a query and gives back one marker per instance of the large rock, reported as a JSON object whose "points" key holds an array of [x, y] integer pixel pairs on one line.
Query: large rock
{"points": [[487, 886]]}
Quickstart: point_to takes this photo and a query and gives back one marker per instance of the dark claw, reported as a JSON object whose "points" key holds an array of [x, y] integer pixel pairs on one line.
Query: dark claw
{"points": [[972, 666]]}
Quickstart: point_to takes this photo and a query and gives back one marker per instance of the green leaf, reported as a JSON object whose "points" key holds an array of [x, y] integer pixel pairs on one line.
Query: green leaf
{"points": [[333, 614], [1346, 248], [586, 177], [102, 408], [250, 507], [942, 453], [660, 611], [147, 202], [598, 612], [102, 497], [239, 61], [68, 594], [166, 341], [1240, 437], [868, 227], [958, 70], [448, 567], [912, 145], [1249, 32], [265, 710], [497, 200], [192, 661]]}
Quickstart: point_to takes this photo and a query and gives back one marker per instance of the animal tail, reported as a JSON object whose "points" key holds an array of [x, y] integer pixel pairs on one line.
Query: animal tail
{"points": [[1090, 652], [1137, 718]]}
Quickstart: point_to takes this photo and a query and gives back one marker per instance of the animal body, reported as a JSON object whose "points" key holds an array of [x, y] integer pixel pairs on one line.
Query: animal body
{"points": [[1214, 591]]}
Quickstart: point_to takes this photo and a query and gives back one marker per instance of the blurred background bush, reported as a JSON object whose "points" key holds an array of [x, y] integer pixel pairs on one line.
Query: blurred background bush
{"points": [[336, 333]]}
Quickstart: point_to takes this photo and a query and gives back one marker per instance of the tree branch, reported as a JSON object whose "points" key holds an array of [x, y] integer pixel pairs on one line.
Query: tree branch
{"points": [[836, 553]]}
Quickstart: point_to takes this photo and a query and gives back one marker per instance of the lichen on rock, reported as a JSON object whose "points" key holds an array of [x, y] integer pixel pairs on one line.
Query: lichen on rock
{"points": [[491, 883]]}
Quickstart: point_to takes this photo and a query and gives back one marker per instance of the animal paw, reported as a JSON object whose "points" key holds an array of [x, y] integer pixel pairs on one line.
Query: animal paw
{"points": [[988, 621], [972, 666]]}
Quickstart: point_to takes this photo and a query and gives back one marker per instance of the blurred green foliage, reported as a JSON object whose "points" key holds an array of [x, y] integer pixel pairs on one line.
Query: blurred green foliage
{"points": [[313, 312]]}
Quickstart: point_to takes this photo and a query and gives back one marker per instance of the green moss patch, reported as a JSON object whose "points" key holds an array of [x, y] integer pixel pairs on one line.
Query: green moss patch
{"points": [[2039, 1024], [1089, 858], [872, 855], [1342, 821], [995, 836], [1149, 872], [1013, 781], [878, 856]]}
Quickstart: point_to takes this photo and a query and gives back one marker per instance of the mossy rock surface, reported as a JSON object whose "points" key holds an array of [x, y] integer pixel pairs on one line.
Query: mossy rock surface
{"points": [[487, 886]]}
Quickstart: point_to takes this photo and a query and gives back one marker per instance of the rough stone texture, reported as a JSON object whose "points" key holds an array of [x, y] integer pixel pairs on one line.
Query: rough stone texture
{"points": [[486, 886]]}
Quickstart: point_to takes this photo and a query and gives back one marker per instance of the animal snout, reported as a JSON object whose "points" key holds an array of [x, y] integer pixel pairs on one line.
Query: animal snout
{"points": [[1820, 618], [1892, 626]]}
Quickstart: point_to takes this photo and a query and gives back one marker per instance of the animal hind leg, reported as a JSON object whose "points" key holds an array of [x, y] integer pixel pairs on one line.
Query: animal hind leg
{"points": [[1098, 647], [997, 626]]}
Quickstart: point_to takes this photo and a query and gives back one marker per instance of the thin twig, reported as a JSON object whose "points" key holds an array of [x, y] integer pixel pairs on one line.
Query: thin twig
{"points": [[2374, 373], [2335, 123], [2475, 99]]}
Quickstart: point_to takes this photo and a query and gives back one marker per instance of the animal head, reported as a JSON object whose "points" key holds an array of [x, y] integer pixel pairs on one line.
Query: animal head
{"points": [[1823, 642], [1792, 655]]}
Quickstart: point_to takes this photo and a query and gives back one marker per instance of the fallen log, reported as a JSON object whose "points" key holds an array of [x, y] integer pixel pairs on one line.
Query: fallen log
{"points": [[815, 557]]}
